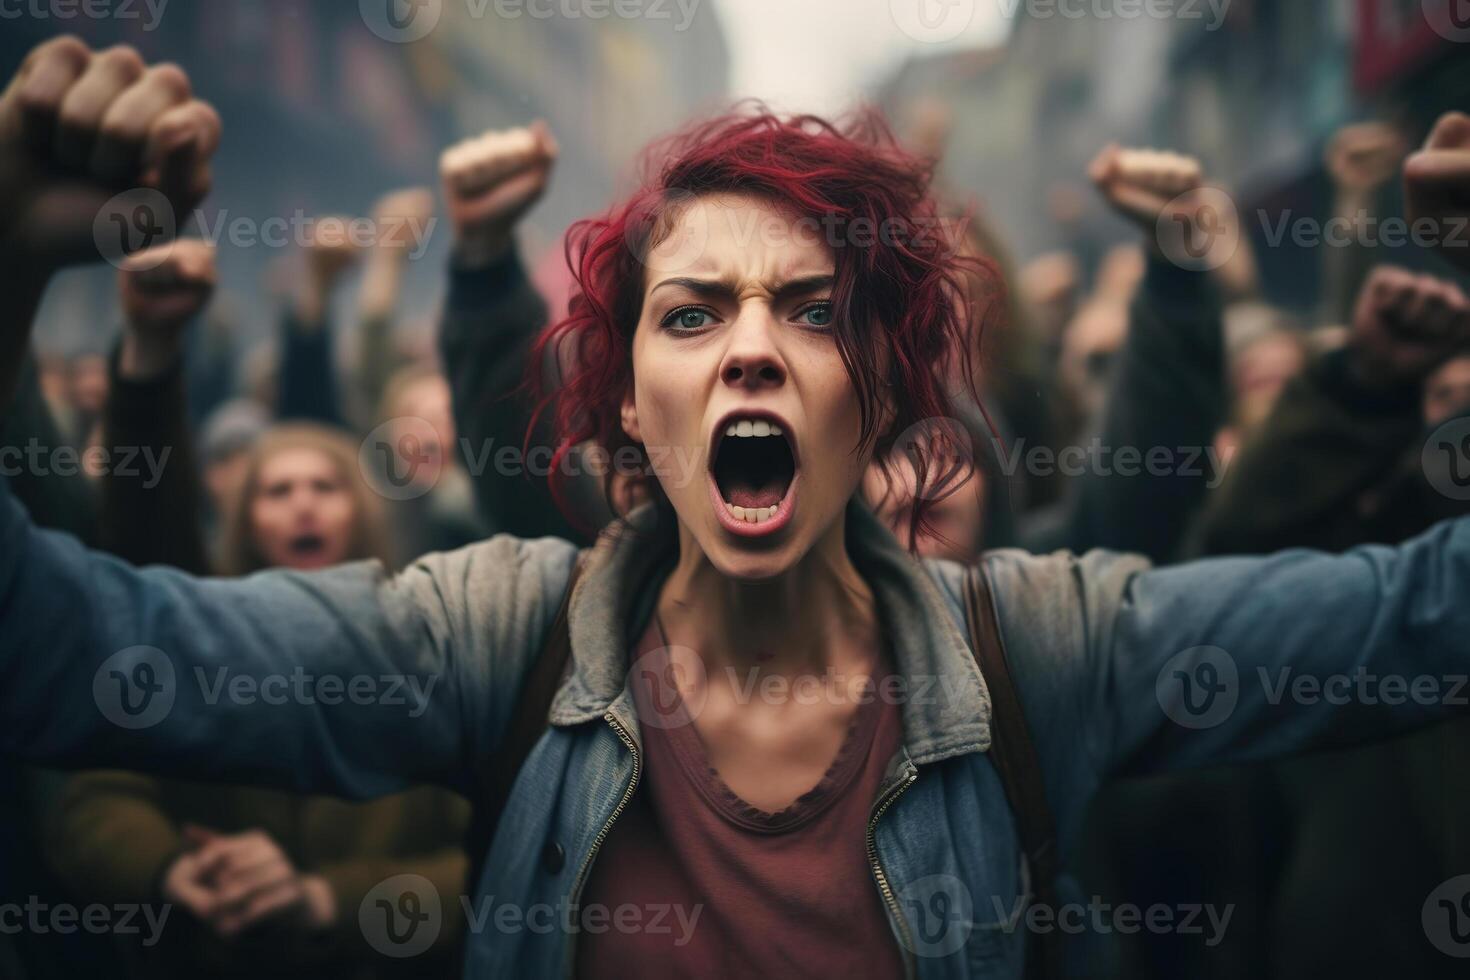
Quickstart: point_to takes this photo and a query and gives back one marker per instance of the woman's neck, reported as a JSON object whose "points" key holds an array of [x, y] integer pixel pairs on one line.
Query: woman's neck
{"points": [[818, 615]]}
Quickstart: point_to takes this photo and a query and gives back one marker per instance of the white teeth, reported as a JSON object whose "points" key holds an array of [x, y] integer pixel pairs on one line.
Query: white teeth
{"points": [[752, 428], [752, 515]]}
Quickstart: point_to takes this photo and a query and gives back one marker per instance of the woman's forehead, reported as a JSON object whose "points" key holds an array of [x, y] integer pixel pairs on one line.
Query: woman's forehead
{"points": [[724, 237]]}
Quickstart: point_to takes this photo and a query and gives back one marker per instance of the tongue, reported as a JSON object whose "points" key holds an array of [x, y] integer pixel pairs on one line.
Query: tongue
{"points": [[743, 493]]}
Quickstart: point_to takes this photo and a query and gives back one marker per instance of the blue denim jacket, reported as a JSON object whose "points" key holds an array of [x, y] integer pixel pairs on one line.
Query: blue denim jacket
{"points": [[352, 682]]}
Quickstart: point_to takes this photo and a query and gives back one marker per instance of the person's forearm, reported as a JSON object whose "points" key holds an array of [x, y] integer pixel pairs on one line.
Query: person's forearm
{"points": [[1298, 478], [111, 840], [151, 512], [158, 652], [17, 314], [1167, 398], [491, 322], [308, 383]]}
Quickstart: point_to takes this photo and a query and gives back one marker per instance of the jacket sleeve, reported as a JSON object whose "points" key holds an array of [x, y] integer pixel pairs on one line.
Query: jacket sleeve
{"points": [[1128, 670], [345, 681], [150, 510], [1298, 480], [112, 839], [308, 378], [491, 321], [1166, 402]]}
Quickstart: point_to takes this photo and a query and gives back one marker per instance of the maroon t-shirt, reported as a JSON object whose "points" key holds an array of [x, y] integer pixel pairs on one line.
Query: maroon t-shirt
{"points": [[695, 882]]}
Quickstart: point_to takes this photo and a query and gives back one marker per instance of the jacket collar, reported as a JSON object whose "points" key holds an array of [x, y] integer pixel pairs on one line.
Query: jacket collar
{"points": [[945, 703]]}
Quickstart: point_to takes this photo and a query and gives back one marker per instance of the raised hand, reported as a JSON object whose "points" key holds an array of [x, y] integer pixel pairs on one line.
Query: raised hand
{"points": [[490, 182], [1362, 158], [1185, 220], [1437, 186], [1405, 326], [162, 289], [79, 127], [402, 218]]}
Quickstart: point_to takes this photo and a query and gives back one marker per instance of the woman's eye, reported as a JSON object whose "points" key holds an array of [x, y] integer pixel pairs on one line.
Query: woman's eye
{"points": [[817, 315], [690, 318]]}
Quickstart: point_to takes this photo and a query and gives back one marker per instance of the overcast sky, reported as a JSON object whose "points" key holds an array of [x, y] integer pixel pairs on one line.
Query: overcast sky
{"points": [[821, 55]]}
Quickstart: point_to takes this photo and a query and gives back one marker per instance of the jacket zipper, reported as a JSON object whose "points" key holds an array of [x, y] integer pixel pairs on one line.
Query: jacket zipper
{"points": [[883, 886], [578, 882]]}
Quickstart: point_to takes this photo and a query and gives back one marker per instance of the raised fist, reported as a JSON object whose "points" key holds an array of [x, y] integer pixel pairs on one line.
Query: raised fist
{"points": [[1405, 326], [402, 218], [330, 248], [1191, 224], [1437, 186], [166, 287], [78, 128], [1364, 157], [1142, 185], [490, 182]]}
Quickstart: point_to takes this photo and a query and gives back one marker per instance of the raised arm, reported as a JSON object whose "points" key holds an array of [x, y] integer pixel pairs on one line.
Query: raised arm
{"points": [[151, 511], [492, 318], [1340, 427], [343, 681], [308, 382], [1437, 187], [1166, 399]]}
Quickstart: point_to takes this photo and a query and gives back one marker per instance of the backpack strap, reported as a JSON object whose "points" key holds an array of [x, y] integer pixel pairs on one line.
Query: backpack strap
{"points": [[1014, 755], [496, 775]]}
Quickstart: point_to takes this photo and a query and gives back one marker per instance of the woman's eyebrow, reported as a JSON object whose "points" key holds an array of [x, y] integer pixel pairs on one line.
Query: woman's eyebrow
{"points": [[725, 288]]}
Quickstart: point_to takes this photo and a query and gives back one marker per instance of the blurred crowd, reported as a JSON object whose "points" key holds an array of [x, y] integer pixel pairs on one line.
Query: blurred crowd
{"points": [[1145, 397]]}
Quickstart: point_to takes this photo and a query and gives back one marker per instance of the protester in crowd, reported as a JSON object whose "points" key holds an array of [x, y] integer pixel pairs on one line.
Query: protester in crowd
{"points": [[492, 318], [800, 580], [265, 882]]}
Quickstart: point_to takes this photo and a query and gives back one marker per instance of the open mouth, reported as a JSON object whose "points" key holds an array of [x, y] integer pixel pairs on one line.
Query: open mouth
{"points": [[753, 468], [305, 546]]}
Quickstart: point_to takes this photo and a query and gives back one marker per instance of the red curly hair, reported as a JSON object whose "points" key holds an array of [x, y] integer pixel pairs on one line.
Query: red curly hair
{"points": [[903, 299]]}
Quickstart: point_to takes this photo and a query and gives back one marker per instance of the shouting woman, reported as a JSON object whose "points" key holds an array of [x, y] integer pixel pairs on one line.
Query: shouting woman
{"points": [[773, 749]]}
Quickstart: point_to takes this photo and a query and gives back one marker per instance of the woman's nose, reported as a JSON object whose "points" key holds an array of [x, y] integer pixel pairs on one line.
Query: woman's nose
{"points": [[753, 360]]}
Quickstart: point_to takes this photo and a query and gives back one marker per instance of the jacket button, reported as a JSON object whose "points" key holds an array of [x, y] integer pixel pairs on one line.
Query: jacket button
{"points": [[553, 857]]}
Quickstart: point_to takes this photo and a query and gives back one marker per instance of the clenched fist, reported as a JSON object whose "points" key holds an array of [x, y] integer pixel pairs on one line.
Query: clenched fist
{"points": [[1437, 186], [162, 289], [79, 127], [1405, 326], [1363, 157], [1189, 223], [490, 182]]}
